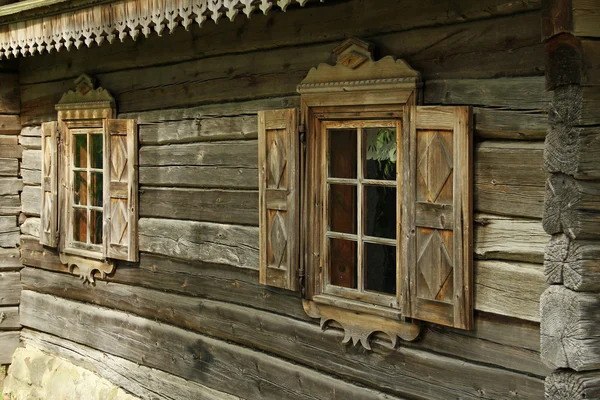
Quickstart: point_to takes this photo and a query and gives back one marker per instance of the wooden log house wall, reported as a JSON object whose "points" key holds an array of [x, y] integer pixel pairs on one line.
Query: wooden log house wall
{"points": [[191, 319]]}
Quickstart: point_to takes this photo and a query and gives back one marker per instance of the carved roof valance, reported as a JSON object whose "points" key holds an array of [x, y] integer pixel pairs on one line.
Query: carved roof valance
{"points": [[117, 20]]}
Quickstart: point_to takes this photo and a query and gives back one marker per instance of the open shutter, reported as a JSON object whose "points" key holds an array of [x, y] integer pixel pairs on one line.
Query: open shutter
{"points": [[49, 210], [278, 176], [438, 189], [120, 189]]}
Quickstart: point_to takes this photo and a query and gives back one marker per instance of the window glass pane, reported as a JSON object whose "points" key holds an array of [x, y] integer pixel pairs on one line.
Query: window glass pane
{"points": [[80, 151], [96, 151], [381, 154], [80, 188], [380, 268], [342, 263], [80, 225], [342, 153], [342, 208], [96, 189], [380, 219], [96, 227]]}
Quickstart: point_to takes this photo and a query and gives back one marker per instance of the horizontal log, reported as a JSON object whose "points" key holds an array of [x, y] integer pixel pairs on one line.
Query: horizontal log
{"points": [[9, 167], [328, 24], [576, 263], [120, 337], [141, 381], [570, 333], [585, 18], [31, 177], [8, 140], [32, 159], [32, 131], [573, 150], [31, 227], [200, 241], [9, 93], [507, 238], [209, 205], [10, 288], [525, 93], [197, 130], [10, 204], [11, 151], [10, 124], [516, 190], [9, 341], [229, 154], [491, 123], [30, 142], [511, 289], [189, 355], [575, 105], [200, 176], [10, 186], [31, 200], [572, 207], [9, 318], [10, 259], [570, 385]]}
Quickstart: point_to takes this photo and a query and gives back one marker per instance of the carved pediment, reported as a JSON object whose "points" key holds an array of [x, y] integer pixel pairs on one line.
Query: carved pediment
{"points": [[355, 69], [86, 95]]}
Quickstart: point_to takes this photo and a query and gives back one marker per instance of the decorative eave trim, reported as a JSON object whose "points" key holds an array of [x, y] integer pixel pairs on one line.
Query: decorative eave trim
{"points": [[119, 20], [369, 84]]}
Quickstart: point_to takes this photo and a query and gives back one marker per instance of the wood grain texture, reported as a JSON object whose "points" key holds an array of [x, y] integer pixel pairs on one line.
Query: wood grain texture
{"points": [[493, 123], [208, 205], [9, 341], [31, 200], [570, 385], [228, 154], [494, 381], [10, 124], [573, 151], [9, 94], [575, 105], [507, 238], [576, 263], [200, 241], [9, 318], [10, 260], [572, 207], [511, 289], [10, 186], [30, 142], [570, 333], [10, 205], [147, 383], [9, 167], [10, 288], [31, 227]]}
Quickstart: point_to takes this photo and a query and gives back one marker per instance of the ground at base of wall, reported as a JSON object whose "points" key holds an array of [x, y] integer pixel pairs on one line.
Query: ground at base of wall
{"points": [[35, 375]]}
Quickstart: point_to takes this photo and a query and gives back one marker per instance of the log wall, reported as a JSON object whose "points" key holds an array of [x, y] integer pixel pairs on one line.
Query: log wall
{"points": [[193, 307], [570, 307], [11, 184]]}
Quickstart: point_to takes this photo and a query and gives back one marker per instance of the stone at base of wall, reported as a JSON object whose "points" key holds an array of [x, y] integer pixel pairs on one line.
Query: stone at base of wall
{"points": [[36, 375]]}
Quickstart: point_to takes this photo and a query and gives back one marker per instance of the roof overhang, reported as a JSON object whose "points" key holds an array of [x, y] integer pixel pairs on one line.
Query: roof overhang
{"points": [[35, 26]]}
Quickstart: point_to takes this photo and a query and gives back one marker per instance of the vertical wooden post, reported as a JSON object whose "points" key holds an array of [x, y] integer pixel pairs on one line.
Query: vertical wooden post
{"points": [[570, 307]]}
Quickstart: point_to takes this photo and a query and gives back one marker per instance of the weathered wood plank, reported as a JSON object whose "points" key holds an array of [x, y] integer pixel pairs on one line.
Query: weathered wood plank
{"points": [[509, 178], [10, 204], [509, 238], [11, 151], [10, 124], [197, 130], [328, 24], [570, 333], [525, 93], [586, 14], [569, 385], [572, 207], [491, 123], [10, 186], [162, 341], [31, 227], [200, 241], [511, 289], [10, 260], [9, 95], [576, 263], [31, 199], [8, 140], [147, 383], [9, 167], [209, 205], [200, 176], [32, 131], [10, 288], [228, 154], [9, 318], [9, 341], [189, 355], [575, 105], [30, 142], [32, 159], [573, 151]]}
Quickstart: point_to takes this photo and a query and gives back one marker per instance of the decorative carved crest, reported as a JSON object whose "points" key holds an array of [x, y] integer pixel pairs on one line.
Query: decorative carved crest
{"points": [[86, 96], [355, 69], [86, 267], [359, 327]]}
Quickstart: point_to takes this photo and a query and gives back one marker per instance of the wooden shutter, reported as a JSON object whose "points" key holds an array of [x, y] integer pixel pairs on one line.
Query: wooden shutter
{"points": [[438, 203], [120, 189], [278, 176], [49, 210]]}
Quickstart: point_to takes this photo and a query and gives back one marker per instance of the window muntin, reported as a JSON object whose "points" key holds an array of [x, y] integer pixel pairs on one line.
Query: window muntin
{"points": [[85, 199], [359, 213]]}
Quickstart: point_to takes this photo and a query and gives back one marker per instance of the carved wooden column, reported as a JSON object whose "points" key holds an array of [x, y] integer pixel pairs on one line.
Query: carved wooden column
{"points": [[570, 307]]}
